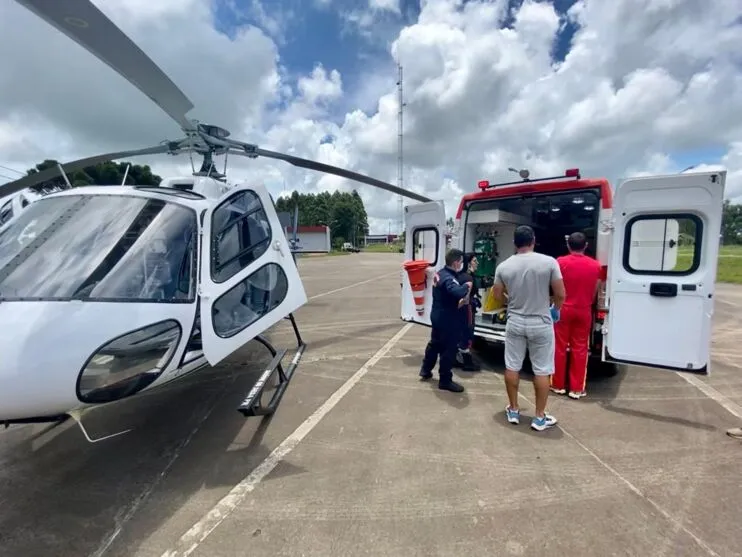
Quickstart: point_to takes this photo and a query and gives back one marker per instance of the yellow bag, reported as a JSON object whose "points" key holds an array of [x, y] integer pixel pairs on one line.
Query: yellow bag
{"points": [[490, 303]]}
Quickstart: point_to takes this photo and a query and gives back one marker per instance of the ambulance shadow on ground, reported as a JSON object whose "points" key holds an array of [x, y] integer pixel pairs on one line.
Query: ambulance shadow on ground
{"points": [[603, 386], [603, 382], [636, 374]]}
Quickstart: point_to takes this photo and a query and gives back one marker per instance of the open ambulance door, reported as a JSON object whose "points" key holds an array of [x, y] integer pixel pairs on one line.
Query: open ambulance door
{"points": [[249, 280], [425, 238], [662, 271]]}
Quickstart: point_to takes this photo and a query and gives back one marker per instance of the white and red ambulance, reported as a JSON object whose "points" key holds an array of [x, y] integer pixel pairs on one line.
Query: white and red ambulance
{"points": [[656, 237]]}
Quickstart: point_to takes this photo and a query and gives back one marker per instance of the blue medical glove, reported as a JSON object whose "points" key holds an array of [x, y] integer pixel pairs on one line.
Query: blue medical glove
{"points": [[554, 313]]}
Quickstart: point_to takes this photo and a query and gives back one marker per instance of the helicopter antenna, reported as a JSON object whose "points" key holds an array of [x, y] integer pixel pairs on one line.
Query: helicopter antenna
{"points": [[64, 175], [126, 173]]}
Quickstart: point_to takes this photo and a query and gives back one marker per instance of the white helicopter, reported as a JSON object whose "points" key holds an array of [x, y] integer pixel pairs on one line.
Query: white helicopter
{"points": [[17, 202], [110, 291]]}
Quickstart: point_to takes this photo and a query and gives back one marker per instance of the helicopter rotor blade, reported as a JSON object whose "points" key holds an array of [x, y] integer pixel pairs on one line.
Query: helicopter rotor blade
{"points": [[329, 169], [36, 178], [84, 23]]}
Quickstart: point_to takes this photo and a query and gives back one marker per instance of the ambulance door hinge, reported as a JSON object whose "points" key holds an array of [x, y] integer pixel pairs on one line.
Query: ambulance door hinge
{"points": [[607, 225]]}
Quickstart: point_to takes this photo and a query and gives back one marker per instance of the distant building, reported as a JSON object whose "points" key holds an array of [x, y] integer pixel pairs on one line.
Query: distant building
{"points": [[380, 239], [310, 239]]}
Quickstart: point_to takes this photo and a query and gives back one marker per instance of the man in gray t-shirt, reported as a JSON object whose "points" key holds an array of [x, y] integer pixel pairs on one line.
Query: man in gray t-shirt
{"points": [[526, 279]]}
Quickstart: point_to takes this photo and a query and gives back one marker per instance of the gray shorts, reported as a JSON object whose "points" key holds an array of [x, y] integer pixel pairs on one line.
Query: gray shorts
{"points": [[534, 333]]}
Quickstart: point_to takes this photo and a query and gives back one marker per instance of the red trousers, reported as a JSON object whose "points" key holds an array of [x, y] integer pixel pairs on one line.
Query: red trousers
{"points": [[573, 331]]}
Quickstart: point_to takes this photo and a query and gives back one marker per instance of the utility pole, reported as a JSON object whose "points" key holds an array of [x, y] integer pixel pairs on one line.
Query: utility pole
{"points": [[400, 156]]}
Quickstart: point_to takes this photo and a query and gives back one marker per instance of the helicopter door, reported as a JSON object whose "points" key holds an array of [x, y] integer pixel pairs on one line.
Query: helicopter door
{"points": [[249, 280], [425, 238], [663, 269]]}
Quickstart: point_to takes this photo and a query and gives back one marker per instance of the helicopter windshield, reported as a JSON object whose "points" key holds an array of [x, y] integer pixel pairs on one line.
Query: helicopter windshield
{"points": [[100, 248]]}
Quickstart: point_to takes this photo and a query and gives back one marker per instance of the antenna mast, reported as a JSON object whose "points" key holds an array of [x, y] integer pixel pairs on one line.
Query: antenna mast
{"points": [[400, 156]]}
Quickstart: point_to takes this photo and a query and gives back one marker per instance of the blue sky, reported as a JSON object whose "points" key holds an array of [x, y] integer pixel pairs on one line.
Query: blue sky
{"points": [[316, 31], [311, 32], [709, 155]]}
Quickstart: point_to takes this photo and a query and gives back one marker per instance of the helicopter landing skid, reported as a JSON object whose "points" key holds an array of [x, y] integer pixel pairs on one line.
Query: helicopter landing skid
{"points": [[251, 405], [77, 416]]}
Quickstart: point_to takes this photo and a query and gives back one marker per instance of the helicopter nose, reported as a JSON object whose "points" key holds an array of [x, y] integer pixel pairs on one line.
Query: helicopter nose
{"points": [[37, 377], [28, 390]]}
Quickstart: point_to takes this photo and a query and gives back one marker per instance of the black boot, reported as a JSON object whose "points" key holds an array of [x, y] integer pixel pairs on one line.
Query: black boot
{"points": [[445, 377], [450, 385], [429, 360]]}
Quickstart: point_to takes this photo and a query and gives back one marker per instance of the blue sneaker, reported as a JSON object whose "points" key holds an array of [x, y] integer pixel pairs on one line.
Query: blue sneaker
{"points": [[545, 422], [513, 415]]}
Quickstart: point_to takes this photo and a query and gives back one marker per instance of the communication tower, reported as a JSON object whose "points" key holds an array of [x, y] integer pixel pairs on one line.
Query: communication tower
{"points": [[400, 155]]}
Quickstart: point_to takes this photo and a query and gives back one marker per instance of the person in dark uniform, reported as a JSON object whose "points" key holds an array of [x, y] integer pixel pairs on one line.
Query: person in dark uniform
{"points": [[467, 312], [445, 320]]}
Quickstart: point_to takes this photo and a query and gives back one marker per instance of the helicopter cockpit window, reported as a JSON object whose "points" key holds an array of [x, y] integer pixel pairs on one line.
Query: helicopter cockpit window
{"points": [[100, 248], [249, 300], [6, 212], [240, 234]]}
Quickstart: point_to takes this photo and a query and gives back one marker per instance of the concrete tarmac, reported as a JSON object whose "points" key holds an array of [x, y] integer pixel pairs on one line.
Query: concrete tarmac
{"points": [[364, 459]]}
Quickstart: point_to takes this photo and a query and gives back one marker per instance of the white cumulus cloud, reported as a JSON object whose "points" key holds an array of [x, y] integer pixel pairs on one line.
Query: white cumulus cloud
{"points": [[643, 80]]}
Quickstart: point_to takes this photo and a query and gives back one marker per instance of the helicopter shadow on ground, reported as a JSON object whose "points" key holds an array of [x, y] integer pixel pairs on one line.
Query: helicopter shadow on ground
{"points": [[62, 492]]}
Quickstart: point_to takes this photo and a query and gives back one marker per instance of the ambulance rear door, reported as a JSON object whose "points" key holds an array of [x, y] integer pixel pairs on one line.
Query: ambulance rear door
{"points": [[425, 238], [662, 271]]}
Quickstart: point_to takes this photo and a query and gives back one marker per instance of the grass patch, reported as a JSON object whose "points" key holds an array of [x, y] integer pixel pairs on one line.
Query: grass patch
{"points": [[383, 248], [729, 268], [333, 253]]}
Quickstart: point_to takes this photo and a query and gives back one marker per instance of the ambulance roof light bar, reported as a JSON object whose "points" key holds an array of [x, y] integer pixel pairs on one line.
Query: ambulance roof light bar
{"points": [[569, 173]]}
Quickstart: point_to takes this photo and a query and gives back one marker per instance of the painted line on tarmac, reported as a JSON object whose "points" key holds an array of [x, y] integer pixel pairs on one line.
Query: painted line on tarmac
{"points": [[108, 541], [732, 407], [190, 541], [316, 296], [342, 325], [727, 302], [677, 523]]}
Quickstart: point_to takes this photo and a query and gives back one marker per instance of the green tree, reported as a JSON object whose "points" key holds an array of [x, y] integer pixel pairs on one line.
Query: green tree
{"points": [[103, 174], [731, 223], [343, 212]]}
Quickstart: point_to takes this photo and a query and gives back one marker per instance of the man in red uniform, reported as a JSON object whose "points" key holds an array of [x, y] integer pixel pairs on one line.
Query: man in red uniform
{"points": [[581, 275]]}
